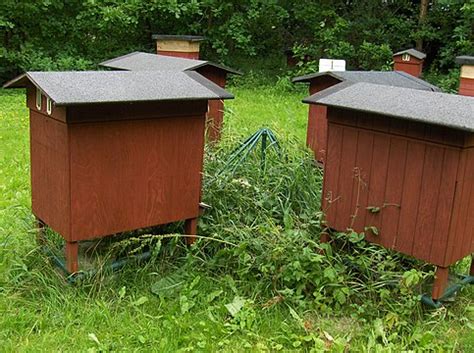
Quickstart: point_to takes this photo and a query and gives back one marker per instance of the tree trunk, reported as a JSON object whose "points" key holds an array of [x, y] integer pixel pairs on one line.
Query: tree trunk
{"points": [[421, 20]]}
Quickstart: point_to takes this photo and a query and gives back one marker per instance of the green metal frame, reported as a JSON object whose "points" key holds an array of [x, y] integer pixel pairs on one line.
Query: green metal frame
{"points": [[238, 155], [74, 277]]}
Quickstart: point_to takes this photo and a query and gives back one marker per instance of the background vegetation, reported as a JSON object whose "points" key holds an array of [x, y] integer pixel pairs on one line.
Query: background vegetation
{"points": [[77, 34]]}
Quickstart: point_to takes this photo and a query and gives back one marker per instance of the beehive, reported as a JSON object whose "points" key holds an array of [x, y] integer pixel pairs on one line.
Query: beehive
{"points": [[316, 137], [138, 61], [183, 46], [409, 61], [115, 151], [402, 161]]}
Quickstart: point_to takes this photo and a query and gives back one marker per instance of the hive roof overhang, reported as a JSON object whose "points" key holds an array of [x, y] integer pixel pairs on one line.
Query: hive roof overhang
{"points": [[139, 61], [90, 87], [413, 52], [189, 38], [389, 78], [465, 60], [449, 110]]}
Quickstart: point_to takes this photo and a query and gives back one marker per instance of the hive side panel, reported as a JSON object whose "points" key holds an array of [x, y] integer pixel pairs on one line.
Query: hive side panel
{"points": [[410, 196], [466, 86], [50, 172], [331, 174], [393, 195], [377, 186], [347, 180], [461, 237], [363, 166], [410, 183], [413, 67], [316, 136], [445, 206], [133, 174], [428, 202]]}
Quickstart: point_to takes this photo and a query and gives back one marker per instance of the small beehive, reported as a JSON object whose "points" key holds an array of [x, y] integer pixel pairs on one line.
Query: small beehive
{"points": [[138, 61], [182, 46], [115, 151], [409, 61], [466, 82], [316, 137], [402, 161]]}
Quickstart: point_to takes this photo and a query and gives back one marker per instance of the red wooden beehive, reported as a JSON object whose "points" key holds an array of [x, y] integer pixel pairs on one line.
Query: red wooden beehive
{"points": [[409, 61], [182, 46], [115, 151], [138, 61], [316, 136], [466, 81], [401, 160]]}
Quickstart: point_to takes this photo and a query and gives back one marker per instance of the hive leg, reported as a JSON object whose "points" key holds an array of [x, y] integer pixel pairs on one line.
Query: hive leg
{"points": [[40, 232], [439, 285], [324, 237], [190, 227], [72, 254]]}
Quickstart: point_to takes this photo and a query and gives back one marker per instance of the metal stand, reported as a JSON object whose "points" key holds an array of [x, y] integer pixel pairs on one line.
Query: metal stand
{"points": [[69, 265], [73, 277], [238, 156]]}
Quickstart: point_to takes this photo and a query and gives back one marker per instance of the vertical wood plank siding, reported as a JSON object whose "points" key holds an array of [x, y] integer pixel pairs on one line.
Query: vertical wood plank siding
{"points": [[410, 180], [101, 169], [316, 136]]}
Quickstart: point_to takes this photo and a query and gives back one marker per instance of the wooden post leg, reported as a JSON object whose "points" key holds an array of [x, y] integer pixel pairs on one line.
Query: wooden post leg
{"points": [[439, 285], [190, 227], [72, 254], [324, 237], [40, 232]]}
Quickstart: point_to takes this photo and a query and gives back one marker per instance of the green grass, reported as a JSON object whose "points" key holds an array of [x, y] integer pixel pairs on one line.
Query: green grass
{"points": [[292, 297]]}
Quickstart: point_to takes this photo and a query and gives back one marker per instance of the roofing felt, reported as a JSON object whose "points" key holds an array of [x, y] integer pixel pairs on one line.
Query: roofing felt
{"points": [[86, 87], [389, 78], [443, 109], [139, 61], [465, 60], [178, 37], [413, 52]]}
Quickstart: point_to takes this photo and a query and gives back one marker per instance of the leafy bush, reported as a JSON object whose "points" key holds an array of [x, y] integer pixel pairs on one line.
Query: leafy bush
{"points": [[58, 35]]}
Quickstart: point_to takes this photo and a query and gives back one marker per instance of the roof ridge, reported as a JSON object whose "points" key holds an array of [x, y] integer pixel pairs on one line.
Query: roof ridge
{"points": [[418, 80], [121, 57]]}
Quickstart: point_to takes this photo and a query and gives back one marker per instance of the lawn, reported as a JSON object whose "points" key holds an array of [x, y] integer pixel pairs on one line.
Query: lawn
{"points": [[271, 289]]}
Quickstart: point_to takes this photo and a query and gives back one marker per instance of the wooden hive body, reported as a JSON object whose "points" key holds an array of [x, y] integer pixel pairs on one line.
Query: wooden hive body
{"points": [[412, 66], [413, 181], [101, 169], [400, 168]]}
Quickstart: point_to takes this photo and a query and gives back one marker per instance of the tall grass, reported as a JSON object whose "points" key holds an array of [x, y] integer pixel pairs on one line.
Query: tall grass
{"points": [[258, 280]]}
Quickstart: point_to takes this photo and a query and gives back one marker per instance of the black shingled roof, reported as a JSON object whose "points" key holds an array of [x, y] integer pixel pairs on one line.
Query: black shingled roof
{"points": [[413, 52], [139, 61], [465, 60], [178, 37], [436, 108], [88, 87], [389, 78]]}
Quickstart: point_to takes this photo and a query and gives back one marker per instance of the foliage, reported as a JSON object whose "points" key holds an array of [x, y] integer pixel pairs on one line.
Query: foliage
{"points": [[55, 34]]}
